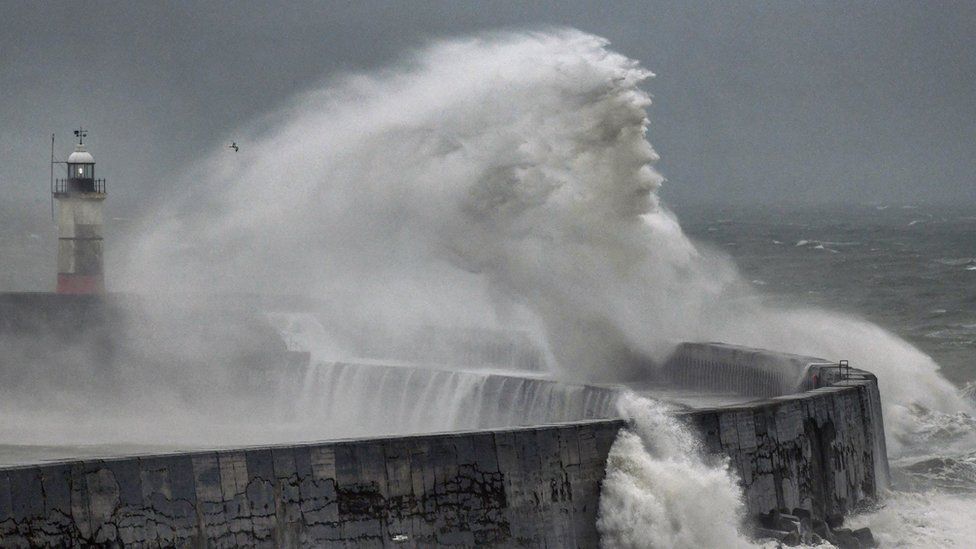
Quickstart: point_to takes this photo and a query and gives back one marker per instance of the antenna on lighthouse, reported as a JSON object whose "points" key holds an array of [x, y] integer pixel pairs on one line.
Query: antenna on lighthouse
{"points": [[53, 162], [52, 177]]}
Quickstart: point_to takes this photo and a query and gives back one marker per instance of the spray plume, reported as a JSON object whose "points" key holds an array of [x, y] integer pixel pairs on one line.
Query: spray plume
{"points": [[660, 490], [499, 180]]}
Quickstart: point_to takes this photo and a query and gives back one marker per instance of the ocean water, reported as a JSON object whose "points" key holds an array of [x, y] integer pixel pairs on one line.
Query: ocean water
{"points": [[910, 269]]}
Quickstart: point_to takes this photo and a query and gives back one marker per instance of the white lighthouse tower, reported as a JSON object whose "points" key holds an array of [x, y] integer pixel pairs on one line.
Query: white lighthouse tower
{"points": [[80, 198]]}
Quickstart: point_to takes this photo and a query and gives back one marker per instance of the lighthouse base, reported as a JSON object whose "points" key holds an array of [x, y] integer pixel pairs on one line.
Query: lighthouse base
{"points": [[80, 284]]}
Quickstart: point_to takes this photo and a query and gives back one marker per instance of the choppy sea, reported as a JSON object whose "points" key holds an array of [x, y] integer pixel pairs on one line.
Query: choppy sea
{"points": [[910, 269]]}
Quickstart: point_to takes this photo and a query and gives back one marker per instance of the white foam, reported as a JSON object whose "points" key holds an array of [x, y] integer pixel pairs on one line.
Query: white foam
{"points": [[928, 519], [660, 491]]}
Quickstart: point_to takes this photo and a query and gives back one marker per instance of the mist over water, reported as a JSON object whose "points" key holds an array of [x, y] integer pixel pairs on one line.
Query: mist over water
{"points": [[505, 180]]}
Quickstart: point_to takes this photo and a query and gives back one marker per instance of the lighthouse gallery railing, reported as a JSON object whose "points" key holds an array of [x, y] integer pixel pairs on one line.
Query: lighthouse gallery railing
{"points": [[65, 186]]}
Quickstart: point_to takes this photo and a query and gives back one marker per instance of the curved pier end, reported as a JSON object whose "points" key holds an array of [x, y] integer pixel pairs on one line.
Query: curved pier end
{"points": [[821, 451]]}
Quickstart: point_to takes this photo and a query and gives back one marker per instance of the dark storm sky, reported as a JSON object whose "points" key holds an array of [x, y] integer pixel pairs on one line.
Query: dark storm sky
{"points": [[754, 102]]}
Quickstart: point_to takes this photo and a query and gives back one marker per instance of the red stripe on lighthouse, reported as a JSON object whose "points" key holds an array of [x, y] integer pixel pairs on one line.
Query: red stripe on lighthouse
{"points": [[80, 284]]}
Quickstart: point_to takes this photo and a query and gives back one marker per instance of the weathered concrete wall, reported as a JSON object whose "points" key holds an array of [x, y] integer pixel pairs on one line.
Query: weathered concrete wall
{"points": [[822, 450], [538, 486], [531, 487]]}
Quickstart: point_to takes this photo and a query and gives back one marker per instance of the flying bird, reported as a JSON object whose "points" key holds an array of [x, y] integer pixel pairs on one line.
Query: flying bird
{"points": [[234, 146]]}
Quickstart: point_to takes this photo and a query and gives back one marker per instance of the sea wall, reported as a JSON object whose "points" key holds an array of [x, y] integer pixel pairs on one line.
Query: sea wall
{"points": [[734, 369], [822, 450], [531, 487], [819, 451], [813, 441]]}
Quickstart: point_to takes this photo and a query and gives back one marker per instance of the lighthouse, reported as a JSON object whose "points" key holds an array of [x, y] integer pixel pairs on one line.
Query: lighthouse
{"points": [[80, 199]]}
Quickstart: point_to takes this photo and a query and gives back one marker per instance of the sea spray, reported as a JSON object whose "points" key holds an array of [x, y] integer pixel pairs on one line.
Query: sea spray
{"points": [[503, 180], [661, 490], [907, 377], [934, 479], [926, 519]]}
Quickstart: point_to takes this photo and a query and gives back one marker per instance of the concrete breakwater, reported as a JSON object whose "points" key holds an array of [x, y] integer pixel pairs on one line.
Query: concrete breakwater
{"points": [[822, 451], [818, 451], [524, 486], [812, 440]]}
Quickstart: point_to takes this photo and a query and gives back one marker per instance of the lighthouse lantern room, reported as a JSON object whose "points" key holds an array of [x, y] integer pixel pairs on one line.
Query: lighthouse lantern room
{"points": [[80, 199]]}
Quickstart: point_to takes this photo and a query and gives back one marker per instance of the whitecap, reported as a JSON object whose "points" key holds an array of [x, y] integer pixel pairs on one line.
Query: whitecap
{"points": [[929, 519], [969, 392], [955, 261]]}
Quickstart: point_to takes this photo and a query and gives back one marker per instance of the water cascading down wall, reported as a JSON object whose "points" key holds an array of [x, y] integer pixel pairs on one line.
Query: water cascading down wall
{"points": [[812, 440]]}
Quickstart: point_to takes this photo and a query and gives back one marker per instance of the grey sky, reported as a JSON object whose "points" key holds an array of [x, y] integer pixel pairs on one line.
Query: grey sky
{"points": [[808, 102]]}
